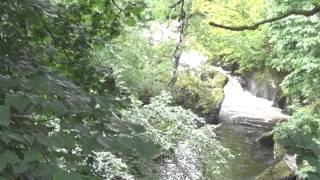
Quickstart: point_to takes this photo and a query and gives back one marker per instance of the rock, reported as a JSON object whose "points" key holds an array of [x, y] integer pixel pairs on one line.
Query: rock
{"points": [[284, 167], [202, 92], [278, 171], [260, 88], [278, 151], [265, 85], [266, 139]]}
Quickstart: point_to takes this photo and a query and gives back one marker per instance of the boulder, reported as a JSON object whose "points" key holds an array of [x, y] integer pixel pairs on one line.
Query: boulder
{"points": [[278, 171], [283, 168], [266, 139], [202, 92]]}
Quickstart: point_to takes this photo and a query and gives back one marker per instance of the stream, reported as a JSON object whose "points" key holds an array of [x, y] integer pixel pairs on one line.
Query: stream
{"points": [[243, 117], [250, 157], [240, 116]]}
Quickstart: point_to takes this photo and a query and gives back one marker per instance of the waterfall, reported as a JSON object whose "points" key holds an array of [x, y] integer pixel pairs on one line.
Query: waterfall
{"points": [[241, 107]]}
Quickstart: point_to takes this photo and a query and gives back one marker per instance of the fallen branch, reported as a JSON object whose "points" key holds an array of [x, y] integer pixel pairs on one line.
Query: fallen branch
{"points": [[255, 26]]}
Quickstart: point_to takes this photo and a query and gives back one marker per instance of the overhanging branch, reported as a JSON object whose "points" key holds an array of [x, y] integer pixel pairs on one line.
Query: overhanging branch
{"points": [[255, 26]]}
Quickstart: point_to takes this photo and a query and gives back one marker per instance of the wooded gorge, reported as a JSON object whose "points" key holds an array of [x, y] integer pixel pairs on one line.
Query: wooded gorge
{"points": [[159, 89]]}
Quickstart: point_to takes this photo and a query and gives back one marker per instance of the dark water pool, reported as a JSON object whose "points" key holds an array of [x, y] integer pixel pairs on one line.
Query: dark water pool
{"points": [[251, 158]]}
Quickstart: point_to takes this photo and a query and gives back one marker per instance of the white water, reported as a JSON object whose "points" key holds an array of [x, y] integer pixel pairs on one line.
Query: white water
{"points": [[241, 107]]}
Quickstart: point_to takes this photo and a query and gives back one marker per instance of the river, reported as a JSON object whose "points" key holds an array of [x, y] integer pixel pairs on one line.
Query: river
{"points": [[243, 118]]}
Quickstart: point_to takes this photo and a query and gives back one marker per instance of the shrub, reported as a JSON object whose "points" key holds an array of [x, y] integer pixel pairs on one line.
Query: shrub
{"points": [[169, 126]]}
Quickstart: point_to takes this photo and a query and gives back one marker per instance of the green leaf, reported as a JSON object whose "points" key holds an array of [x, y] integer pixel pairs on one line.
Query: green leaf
{"points": [[5, 139], [315, 1], [19, 102], [8, 157], [20, 168], [40, 84], [129, 145], [11, 157], [43, 139], [63, 175], [14, 136], [44, 170], [147, 149], [57, 107], [131, 21], [32, 155], [63, 140], [29, 138], [4, 116], [3, 164]]}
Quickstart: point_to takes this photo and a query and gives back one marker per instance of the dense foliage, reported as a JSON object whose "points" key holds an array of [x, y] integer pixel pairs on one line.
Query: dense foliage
{"points": [[82, 83], [286, 50], [296, 51], [170, 126], [57, 102], [65, 108]]}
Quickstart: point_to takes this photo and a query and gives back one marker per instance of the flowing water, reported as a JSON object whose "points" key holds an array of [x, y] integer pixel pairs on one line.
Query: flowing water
{"points": [[244, 118], [250, 158], [242, 108]]}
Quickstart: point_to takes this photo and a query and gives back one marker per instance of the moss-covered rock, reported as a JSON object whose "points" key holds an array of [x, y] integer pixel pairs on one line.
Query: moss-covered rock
{"points": [[278, 150], [279, 171], [202, 92]]}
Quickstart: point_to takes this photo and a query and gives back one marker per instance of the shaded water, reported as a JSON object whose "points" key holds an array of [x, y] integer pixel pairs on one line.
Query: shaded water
{"points": [[250, 157]]}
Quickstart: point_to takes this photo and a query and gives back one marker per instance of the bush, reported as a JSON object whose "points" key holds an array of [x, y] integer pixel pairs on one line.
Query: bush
{"points": [[301, 136], [169, 126], [144, 67]]}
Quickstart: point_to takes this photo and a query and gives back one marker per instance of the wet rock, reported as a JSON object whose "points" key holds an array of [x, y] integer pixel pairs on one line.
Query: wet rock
{"points": [[283, 168], [265, 86], [290, 160], [278, 171], [283, 102], [266, 139]]}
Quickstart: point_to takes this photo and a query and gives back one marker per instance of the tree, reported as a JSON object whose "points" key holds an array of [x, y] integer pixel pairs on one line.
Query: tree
{"points": [[294, 44], [58, 104]]}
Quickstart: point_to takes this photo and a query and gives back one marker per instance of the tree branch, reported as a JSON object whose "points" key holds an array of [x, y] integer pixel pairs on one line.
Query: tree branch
{"points": [[172, 7], [255, 26], [177, 52], [117, 6]]}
